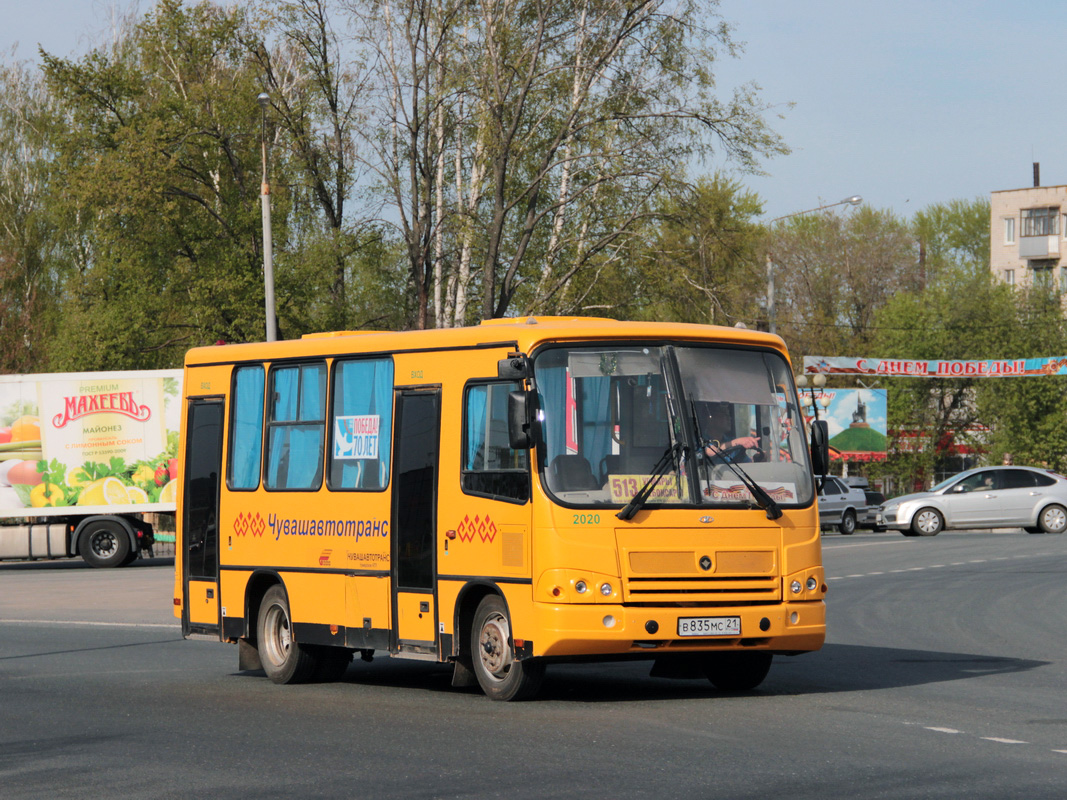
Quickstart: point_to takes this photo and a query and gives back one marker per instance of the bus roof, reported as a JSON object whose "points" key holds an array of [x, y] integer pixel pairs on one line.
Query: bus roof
{"points": [[521, 333]]}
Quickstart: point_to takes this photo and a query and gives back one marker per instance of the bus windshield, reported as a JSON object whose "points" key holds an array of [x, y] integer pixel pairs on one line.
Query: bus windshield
{"points": [[704, 418]]}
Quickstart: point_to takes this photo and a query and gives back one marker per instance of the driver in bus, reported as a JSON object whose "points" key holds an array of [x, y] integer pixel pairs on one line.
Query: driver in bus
{"points": [[721, 434]]}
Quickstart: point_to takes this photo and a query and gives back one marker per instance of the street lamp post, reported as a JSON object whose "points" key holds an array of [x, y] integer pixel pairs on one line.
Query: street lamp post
{"points": [[818, 381], [854, 200], [268, 242]]}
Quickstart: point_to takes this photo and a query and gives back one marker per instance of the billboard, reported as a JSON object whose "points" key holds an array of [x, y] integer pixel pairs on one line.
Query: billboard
{"points": [[89, 442], [857, 419]]}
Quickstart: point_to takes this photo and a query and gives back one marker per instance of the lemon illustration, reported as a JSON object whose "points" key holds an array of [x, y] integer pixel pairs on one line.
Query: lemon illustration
{"points": [[169, 493], [137, 494], [104, 492], [77, 478]]}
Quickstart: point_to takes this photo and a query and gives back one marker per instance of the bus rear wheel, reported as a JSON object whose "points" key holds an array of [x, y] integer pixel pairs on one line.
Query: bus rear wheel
{"points": [[283, 659], [500, 675], [737, 672]]}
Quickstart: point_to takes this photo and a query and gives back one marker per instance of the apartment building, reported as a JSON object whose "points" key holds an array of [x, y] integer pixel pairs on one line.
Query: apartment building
{"points": [[1029, 235]]}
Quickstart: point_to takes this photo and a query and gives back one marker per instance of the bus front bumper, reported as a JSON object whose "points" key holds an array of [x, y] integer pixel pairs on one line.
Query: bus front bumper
{"points": [[616, 630]]}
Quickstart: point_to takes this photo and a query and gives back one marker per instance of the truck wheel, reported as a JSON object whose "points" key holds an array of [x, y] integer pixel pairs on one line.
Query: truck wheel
{"points": [[927, 522], [847, 526], [104, 543], [499, 674], [283, 659], [738, 672]]}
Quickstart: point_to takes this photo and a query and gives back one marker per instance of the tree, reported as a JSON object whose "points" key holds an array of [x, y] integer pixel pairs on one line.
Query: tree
{"points": [[953, 235], [29, 235], [1026, 416], [531, 135], [697, 261], [836, 272], [962, 316]]}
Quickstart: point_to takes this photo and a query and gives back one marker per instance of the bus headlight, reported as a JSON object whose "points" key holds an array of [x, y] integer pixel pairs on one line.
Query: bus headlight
{"points": [[606, 590], [580, 587], [811, 583], [795, 587]]}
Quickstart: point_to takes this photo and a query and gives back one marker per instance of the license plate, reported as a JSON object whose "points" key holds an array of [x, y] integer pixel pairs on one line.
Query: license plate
{"points": [[709, 626]]}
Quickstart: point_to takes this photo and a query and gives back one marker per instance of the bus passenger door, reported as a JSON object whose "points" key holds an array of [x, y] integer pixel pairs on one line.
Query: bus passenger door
{"points": [[200, 536], [414, 515]]}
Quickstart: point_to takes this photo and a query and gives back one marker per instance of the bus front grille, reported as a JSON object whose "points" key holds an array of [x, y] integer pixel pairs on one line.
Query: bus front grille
{"points": [[719, 590]]}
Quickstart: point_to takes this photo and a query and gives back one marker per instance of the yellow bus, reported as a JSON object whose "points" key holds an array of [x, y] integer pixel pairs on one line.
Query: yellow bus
{"points": [[500, 498]]}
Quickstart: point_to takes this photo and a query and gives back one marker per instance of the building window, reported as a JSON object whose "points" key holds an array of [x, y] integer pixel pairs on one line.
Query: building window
{"points": [[1041, 273], [1009, 230], [1041, 221], [1009, 277]]}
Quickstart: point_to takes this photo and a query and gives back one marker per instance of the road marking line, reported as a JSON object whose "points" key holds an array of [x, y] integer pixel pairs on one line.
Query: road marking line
{"points": [[941, 730], [1003, 741], [830, 546], [1060, 751], [88, 623]]}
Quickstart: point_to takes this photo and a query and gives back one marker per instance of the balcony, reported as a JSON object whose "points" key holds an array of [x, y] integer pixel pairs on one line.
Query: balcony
{"points": [[1039, 246]]}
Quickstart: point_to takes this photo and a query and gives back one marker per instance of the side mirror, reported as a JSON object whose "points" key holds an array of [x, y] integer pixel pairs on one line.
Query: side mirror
{"points": [[518, 421], [513, 368], [820, 447]]}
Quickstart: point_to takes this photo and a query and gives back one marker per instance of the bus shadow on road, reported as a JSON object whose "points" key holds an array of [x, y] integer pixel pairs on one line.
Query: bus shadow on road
{"points": [[836, 668]]}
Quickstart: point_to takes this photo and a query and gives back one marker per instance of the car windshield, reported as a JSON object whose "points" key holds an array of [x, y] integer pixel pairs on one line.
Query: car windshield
{"points": [[610, 415]]}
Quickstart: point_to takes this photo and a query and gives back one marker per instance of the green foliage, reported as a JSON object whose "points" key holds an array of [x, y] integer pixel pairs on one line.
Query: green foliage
{"points": [[696, 261], [1026, 416]]}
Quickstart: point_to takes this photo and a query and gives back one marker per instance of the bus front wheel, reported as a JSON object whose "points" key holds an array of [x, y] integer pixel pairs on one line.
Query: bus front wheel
{"points": [[283, 659], [737, 672], [499, 674]]}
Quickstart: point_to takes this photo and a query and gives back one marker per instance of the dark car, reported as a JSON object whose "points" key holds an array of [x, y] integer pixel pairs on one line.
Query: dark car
{"points": [[874, 502]]}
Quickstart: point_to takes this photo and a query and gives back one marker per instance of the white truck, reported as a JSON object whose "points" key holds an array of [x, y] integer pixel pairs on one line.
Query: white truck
{"points": [[83, 457]]}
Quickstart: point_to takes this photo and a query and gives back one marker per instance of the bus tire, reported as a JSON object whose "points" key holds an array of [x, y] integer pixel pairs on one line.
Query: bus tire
{"points": [[283, 659], [738, 672], [104, 543], [499, 674]]}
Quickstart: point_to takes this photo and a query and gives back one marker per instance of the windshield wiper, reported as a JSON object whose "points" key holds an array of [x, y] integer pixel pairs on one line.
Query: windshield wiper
{"points": [[763, 500], [638, 500]]}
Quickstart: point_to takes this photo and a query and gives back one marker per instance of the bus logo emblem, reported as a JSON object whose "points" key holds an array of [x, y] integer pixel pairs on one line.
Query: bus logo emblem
{"points": [[705, 563]]}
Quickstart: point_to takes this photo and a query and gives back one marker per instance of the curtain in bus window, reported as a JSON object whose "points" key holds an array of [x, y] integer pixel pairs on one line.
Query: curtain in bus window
{"points": [[296, 450], [476, 421], [363, 397], [245, 450], [596, 419], [551, 386]]}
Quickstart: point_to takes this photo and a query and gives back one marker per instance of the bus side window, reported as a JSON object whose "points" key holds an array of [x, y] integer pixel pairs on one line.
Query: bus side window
{"points": [[246, 428], [295, 431], [361, 424], [490, 466]]}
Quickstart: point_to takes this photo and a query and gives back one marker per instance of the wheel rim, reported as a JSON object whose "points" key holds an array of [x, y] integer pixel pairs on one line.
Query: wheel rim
{"points": [[849, 523], [494, 652], [103, 544], [929, 522], [277, 638], [1054, 519]]}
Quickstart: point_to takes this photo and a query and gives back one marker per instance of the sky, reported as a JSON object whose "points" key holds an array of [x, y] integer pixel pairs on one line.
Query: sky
{"points": [[905, 103]]}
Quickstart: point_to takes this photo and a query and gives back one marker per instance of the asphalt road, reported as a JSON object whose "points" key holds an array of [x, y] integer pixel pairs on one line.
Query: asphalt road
{"points": [[943, 677]]}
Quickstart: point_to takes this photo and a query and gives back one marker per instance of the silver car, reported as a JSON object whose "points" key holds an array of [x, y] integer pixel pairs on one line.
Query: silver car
{"points": [[987, 497], [841, 505]]}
